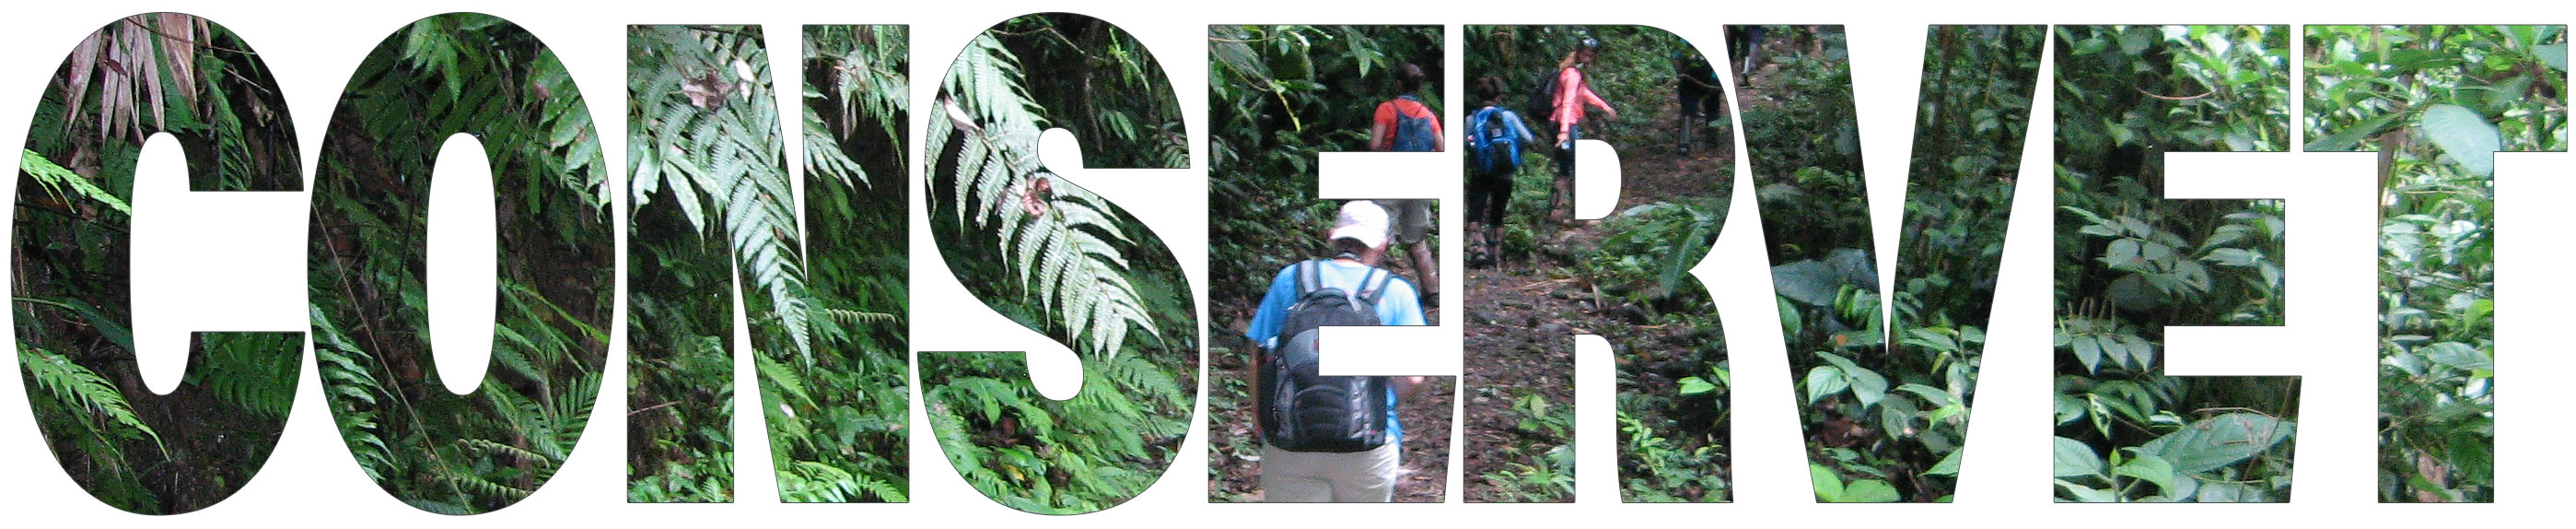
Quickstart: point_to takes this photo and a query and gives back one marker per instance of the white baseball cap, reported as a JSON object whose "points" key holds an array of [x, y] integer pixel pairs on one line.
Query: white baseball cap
{"points": [[1363, 221]]}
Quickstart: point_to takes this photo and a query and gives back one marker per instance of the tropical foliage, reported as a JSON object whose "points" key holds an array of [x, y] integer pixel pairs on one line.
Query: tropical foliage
{"points": [[1059, 260], [1886, 412], [2437, 102], [711, 185], [2130, 263], [141, 76], [435, 450]]}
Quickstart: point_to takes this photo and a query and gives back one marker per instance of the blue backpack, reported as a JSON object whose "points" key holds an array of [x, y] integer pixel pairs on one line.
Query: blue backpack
{"points": [[1491, 143], [1413, 134]]}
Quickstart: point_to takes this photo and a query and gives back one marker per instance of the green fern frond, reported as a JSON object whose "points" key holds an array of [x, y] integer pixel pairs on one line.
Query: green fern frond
{"points": [[861, 318], [56, 177], [256, 371], [786, 380], [1058, 244], [726, 149], [80, 388], [506, 451], [441, 507], [479, 486], [867, 65]]}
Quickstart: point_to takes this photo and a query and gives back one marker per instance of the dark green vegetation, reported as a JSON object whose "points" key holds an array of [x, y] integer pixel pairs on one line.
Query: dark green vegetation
{"points": [[1625, 278], [1062, 261], [2437, 102], [435, 450], [134, 450], [1885, 412], [2129, 263], [1278, 96], [711, 192]]}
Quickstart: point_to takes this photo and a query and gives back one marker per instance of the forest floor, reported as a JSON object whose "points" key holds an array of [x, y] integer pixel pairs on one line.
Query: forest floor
{"points": [[1528, 307]]}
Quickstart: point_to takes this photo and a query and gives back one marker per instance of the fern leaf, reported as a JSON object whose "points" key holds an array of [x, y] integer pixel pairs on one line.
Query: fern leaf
{"points": [[56, 177], [81, 388]]}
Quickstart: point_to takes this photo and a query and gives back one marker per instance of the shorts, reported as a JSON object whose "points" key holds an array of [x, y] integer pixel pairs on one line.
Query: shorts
{"points": [[1697, 102], [1412, 220], [1321, 477]]}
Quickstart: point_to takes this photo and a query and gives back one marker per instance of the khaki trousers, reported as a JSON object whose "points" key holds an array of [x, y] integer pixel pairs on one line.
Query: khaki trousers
{"points": [[1319, 477]]}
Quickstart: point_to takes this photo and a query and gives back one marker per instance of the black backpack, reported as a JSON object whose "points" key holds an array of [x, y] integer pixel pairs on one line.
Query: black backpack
{"points": [[1306, 412], [1543, 100]]}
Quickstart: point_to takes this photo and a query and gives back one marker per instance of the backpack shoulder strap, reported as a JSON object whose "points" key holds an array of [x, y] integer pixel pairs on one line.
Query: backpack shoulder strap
{"points": [[1373, 285], [1309, 277]]}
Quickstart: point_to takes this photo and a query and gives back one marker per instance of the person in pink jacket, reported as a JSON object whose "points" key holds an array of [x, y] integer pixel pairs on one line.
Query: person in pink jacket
{"points": [[1572, 94]]}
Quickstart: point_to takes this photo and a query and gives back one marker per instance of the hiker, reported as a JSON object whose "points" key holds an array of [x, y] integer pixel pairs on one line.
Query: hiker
{"points": [[1698, 88], [1494, 139], [1404, 124], [1330, 439], [1567, 93], [1745, 44]]}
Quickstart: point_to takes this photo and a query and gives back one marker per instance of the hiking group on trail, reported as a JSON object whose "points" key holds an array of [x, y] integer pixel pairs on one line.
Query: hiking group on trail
{"points": [[1339, 438], [1497, 137]]}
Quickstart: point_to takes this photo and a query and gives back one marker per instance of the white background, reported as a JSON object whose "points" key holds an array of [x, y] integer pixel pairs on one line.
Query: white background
{"points": [[234, 262]]}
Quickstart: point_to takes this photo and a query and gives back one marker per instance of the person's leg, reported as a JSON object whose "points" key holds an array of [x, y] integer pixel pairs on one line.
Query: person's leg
{"points": [[1477, 243], [1413, 229], [1291, 477], [1560, 200], [1371, 476], [1682, 119], [1498, 200]]}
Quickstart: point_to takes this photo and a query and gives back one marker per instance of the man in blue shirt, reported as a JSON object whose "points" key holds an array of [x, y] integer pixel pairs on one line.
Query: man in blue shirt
{"points": [[1359, 238]]}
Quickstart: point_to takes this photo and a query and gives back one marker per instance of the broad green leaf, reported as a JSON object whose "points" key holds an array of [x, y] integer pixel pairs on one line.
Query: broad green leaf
{"points": [[1869, 491], [2069, 408], [1828, 487], [2465, 136], [1811, 282], [1949, 465], [2088, 494], [2554, 55], [1695, 386], [2088, 349], [2227, 492], [2459, 355], [2074, 458], [1936, 396], [1868, 386], [1824, 381], [2218, 441], [2151, 468]]}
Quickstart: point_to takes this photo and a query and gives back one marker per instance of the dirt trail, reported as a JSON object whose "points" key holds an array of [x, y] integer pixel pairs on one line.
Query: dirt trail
{"points": [[1519, 323], [1526, 309]]}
